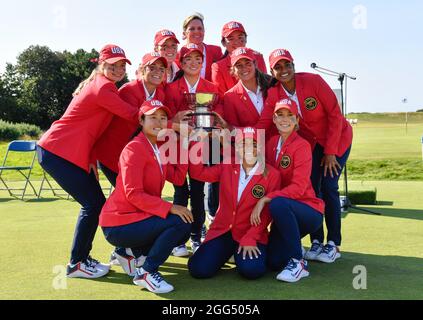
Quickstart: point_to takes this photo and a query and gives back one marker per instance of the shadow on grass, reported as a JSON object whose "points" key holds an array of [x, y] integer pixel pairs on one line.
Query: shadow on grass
{"points": [[387, 212], [387, 277]]}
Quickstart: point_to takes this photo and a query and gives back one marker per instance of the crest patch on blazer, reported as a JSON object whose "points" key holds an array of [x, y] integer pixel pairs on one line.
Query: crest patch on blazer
{"points": [[310, 103], [258, 191], [285, 162]]}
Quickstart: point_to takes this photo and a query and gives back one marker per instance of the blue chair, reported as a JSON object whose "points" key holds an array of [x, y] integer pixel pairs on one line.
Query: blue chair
{"points": [[19, 146]]}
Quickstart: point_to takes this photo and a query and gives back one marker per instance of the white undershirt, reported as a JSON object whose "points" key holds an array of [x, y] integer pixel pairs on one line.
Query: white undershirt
{"points": [[279, 148], [157, 154], [244, 180], [203, 68], [148, 96], [192, 89], [294, 97], [256, 98], [174, 70]]}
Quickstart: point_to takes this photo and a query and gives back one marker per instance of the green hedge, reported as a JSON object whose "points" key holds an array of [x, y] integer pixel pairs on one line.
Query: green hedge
{"points": [[362, 196], [12, 131]]}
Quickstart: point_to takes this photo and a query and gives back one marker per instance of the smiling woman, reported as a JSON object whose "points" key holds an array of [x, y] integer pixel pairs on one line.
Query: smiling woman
{"points": [[65, 151]]}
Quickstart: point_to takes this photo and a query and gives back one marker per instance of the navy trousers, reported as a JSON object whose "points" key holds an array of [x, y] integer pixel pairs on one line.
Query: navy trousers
{"points": [[212, 255], [86, 190], [109, 173], [292, 220], [327, 189], [195, 192], [154, 237]]}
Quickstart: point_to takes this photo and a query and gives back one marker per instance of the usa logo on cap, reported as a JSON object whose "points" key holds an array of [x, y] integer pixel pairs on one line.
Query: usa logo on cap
{"points": [[156, 103], [167, 33], [155, 54], [234, 25], [249, 130], [192, 46], [285, 102], [279, 53], [240, 51], [117, 50]]}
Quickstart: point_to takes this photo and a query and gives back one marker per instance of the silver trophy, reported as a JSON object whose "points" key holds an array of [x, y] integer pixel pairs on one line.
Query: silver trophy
{"points": [[201, 105]]}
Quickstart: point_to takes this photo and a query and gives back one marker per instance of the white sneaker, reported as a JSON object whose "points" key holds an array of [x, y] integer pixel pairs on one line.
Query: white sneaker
{"points": [[127, 261], [139, 262], [294, 271], [194, 246], [315, 250], [180, 251], [153, 282], [303, 251], [97, 264], [113, 261], [85, 270], [330, 253]]}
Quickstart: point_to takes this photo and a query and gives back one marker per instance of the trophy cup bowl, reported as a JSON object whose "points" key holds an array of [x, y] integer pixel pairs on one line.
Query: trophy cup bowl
{"points": [[201, 105]]}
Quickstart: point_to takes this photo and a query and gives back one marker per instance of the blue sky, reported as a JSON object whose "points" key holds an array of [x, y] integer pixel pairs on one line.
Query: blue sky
{"points": [[377, 41]]}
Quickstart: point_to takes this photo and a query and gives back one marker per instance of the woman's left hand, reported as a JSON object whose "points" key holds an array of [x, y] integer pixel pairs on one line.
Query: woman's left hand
{"points": [[330, 164], [255, 215], [250, 250]]}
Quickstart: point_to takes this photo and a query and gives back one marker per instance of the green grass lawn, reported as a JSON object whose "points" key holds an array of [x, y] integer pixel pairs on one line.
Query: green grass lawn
{"points": [[36, 236]]}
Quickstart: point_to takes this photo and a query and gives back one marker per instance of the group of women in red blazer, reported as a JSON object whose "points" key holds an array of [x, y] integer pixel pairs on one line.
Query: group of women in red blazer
{"points": [[269, 200]]}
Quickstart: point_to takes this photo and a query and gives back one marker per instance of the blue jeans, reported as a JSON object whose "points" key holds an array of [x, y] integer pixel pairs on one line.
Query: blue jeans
{"points": [[86, 190], [195, 192], [212, 256], [109, 173], [326, 188], [154, 237], [292, 220]]}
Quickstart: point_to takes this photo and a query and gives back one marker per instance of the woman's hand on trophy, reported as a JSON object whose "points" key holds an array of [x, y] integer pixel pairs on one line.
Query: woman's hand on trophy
{"points": [[220, 122]]}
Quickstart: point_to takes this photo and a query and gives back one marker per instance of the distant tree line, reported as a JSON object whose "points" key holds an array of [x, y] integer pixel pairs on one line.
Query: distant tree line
{"points": [[39, 87]]}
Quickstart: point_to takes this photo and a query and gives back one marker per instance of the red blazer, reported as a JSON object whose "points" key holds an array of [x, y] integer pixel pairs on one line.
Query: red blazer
{"points": [[294, 164], [73, 136], [221, 72], [139, 186], [239, 110], [175, 99], [213, 54], [117, 135], [321, 120], [231, 215]]}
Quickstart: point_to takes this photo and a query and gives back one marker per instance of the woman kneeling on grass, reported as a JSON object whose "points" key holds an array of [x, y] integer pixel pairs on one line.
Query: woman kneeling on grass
{"points": [[135, 216], [231, 233], [295, 209]]}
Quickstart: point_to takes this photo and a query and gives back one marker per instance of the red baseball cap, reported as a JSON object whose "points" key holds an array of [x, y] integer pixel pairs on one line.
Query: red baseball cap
{"points": [[149, 107], [279, 54], [188, 49], [242, 53], [286, 104], [232, 26], [152, 57], [245, 133], [112, 54], [163, 35]]}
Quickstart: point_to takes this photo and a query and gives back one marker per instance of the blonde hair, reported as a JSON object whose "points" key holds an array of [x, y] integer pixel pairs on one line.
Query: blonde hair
{"points": [[98, 70], [194, 16]]}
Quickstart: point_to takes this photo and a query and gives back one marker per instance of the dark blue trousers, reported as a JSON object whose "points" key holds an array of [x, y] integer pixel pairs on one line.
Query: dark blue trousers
{"points": [[212, 256], [109, 173], [195, 192], [292, 220], [154, 237], [86, 190], [213, 199], [327, 189]]}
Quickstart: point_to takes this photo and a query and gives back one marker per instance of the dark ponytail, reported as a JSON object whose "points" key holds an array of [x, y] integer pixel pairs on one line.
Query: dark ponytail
{"points": [[178, 75], [263, 81]]}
